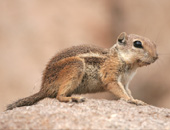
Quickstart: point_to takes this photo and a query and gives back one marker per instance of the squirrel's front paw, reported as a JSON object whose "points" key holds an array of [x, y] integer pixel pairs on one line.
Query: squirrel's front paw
{"points": [[136, 102]]}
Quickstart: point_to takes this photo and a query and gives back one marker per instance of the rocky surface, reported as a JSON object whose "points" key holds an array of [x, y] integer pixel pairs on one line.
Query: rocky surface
{"points": [[32, 31], [92, 114]]}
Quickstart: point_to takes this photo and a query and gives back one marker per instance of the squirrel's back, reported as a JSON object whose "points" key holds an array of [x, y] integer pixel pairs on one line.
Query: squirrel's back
{"points": [[77, 50]]}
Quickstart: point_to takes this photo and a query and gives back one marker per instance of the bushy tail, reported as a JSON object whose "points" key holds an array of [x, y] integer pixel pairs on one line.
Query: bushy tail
{"points": [[27, 101]]}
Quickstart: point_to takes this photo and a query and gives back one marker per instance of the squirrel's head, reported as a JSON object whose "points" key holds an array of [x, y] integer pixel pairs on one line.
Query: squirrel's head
{"points": [[134, 49]]}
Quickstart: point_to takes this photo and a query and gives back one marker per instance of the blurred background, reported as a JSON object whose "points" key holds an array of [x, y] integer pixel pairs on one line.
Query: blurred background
{"points": [[33, 31]]}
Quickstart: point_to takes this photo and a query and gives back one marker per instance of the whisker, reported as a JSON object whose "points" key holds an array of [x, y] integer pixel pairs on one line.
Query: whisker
{"points": [[163, 54], [158, 63], [161, 60]]}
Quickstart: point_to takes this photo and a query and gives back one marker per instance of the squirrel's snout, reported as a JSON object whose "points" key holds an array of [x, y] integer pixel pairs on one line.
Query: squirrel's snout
{"points": [[155, 57]]}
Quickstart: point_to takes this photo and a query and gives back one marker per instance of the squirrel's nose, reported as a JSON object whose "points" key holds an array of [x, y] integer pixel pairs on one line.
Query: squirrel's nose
{"points": [[155, 57]]}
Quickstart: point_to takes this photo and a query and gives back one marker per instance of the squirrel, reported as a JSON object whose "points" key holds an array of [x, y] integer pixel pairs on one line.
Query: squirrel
{"points": [[90, 69]]}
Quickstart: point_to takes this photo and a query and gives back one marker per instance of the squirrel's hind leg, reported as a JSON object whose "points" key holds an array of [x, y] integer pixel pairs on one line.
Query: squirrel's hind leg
{"points": [[70, 77]]}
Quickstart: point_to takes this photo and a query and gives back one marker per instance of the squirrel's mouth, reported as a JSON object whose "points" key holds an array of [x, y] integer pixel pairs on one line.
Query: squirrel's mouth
{"points": [[142, 63], [147, 63]]}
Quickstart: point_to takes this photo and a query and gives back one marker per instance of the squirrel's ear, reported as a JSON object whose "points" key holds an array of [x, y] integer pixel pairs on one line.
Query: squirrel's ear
{"points": [[122, 38]]}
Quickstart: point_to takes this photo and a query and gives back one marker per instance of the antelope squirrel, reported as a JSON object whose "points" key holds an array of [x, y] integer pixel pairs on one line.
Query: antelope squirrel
{"points": [[89, 69]]}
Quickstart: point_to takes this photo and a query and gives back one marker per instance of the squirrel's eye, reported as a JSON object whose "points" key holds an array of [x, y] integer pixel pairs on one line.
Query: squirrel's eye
{"points": [[137, 44]]}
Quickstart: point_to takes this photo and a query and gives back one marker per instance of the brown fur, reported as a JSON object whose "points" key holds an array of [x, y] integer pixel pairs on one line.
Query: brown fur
{"points": [[89, 69]]}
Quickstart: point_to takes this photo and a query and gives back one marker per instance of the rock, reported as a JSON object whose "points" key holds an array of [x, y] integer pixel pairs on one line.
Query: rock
{"points": [[91, 114]]}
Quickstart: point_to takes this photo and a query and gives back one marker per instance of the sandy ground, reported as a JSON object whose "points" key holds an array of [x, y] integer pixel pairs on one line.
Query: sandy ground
{"points": [[92, 114]]}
